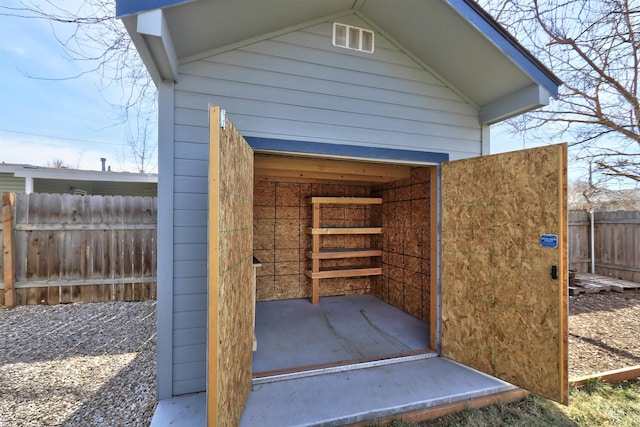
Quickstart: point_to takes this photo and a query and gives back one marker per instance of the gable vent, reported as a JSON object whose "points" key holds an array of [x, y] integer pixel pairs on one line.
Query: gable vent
{"points": [[351, 37]]}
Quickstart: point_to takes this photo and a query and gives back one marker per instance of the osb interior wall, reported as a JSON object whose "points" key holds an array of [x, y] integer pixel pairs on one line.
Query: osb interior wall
{"points": [[282, 214], [406, 251]]}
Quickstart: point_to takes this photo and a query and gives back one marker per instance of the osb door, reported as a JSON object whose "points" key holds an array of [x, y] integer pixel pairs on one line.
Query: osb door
{"points": [[504, 267], [231, 305]]}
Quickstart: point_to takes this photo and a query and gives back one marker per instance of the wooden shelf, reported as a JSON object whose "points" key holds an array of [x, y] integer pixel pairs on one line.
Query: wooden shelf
{"points": [[316, 254], [344, 230], [343, 253], [344, 272], [347, 200]]}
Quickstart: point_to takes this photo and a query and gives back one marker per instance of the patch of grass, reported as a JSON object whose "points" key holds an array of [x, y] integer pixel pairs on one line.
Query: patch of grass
{"points": [[532, 411], [594, 404], [601, 404]]}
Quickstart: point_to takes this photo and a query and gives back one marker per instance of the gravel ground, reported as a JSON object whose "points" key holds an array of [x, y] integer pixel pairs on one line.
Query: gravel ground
{"points": [[604, 332], [94, 364], [78, 364]]}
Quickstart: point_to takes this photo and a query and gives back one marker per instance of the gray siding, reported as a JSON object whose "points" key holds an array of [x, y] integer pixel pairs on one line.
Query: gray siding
{"points": [[166, 231], [190, 262], [296, 87], [299, 87]]}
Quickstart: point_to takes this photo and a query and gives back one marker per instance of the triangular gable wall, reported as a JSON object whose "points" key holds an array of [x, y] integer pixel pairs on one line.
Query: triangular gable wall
{"points": [[297, 86]]}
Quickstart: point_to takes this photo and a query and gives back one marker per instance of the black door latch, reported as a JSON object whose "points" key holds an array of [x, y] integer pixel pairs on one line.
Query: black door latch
{"points": [[554, 272]]}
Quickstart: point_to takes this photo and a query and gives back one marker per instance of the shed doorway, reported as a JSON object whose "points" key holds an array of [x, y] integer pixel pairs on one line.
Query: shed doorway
{"points": [[499, 213], [383, 314]]}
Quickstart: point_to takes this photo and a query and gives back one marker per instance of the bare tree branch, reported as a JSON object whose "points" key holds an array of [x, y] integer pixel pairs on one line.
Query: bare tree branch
{"points": [[594, 47], [92, 36]]}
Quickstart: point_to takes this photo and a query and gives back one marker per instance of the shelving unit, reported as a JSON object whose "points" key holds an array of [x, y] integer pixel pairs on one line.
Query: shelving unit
{"points": [[316, 254]]}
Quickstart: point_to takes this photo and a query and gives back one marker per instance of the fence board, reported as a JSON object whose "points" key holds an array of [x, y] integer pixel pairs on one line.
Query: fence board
{"points": [[578, 235], [2, 265], [617, 243], [72, 239], [8, 249], [73, 248]]}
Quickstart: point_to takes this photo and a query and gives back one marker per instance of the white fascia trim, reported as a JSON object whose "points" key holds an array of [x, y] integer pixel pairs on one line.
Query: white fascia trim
{"points": [[77, 175], [131, 23], [28, 185], [515, 103], [485, 143], [153, 28]]}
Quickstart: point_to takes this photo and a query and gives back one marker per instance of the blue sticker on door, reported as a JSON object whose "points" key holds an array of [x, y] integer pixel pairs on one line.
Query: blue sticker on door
{"points": [[549, 240]]}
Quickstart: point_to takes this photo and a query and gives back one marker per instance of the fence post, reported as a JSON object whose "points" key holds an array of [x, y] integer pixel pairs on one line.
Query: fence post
{"points": [[8, 200], [592, 240]]}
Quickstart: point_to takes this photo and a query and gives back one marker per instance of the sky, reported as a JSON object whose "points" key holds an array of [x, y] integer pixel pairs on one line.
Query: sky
{"points": [[43, 120]]}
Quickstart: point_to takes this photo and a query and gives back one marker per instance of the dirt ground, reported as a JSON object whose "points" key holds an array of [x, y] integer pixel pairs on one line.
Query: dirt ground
{"points": [[604, 332]]}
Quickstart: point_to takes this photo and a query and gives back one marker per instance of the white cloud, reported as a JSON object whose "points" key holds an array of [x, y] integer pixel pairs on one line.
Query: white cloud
{"points": [[16, 50], [40, 151]]}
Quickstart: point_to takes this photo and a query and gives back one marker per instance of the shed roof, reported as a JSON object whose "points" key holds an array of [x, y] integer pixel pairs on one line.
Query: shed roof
{"points": [[454, 39]]}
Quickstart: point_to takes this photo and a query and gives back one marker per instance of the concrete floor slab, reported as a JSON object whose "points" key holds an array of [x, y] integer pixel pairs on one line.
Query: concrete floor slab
{"points": [[366, 394], [346, 397], [183, 411], [294, 333]]}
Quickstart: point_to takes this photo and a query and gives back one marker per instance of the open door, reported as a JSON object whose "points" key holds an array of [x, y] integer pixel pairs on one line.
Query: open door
{"points": [[231, 304], [504, 267]]}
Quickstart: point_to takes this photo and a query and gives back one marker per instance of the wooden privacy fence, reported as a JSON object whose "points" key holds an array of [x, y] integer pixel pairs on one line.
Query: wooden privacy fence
{"points": [[62, 248], [617, 243]]}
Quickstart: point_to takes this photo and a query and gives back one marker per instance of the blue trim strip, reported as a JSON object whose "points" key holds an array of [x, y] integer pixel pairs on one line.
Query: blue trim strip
{"points": [[305, 147], [507, 46], [130, 7]]}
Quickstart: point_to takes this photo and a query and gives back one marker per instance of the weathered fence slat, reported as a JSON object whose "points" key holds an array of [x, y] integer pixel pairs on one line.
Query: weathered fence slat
{"points": [[80, 282], [617, 243], [83, 227], [8, 255], [73, 248]]}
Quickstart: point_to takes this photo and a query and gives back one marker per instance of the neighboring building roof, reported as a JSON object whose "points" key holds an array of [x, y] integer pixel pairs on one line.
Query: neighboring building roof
{"points": [[63, 180], [30, 171], [454, 39]]}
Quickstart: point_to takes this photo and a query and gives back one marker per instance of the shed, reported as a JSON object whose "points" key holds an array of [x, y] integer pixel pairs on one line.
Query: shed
{"points": [[349, 155]]}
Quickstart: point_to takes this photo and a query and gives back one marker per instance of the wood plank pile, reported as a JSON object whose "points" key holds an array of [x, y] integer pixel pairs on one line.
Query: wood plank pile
{"points": [[590, 283]]}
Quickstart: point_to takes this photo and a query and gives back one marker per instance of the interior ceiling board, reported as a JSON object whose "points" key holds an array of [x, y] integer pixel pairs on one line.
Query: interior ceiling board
{"points": [[297, 169]]}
